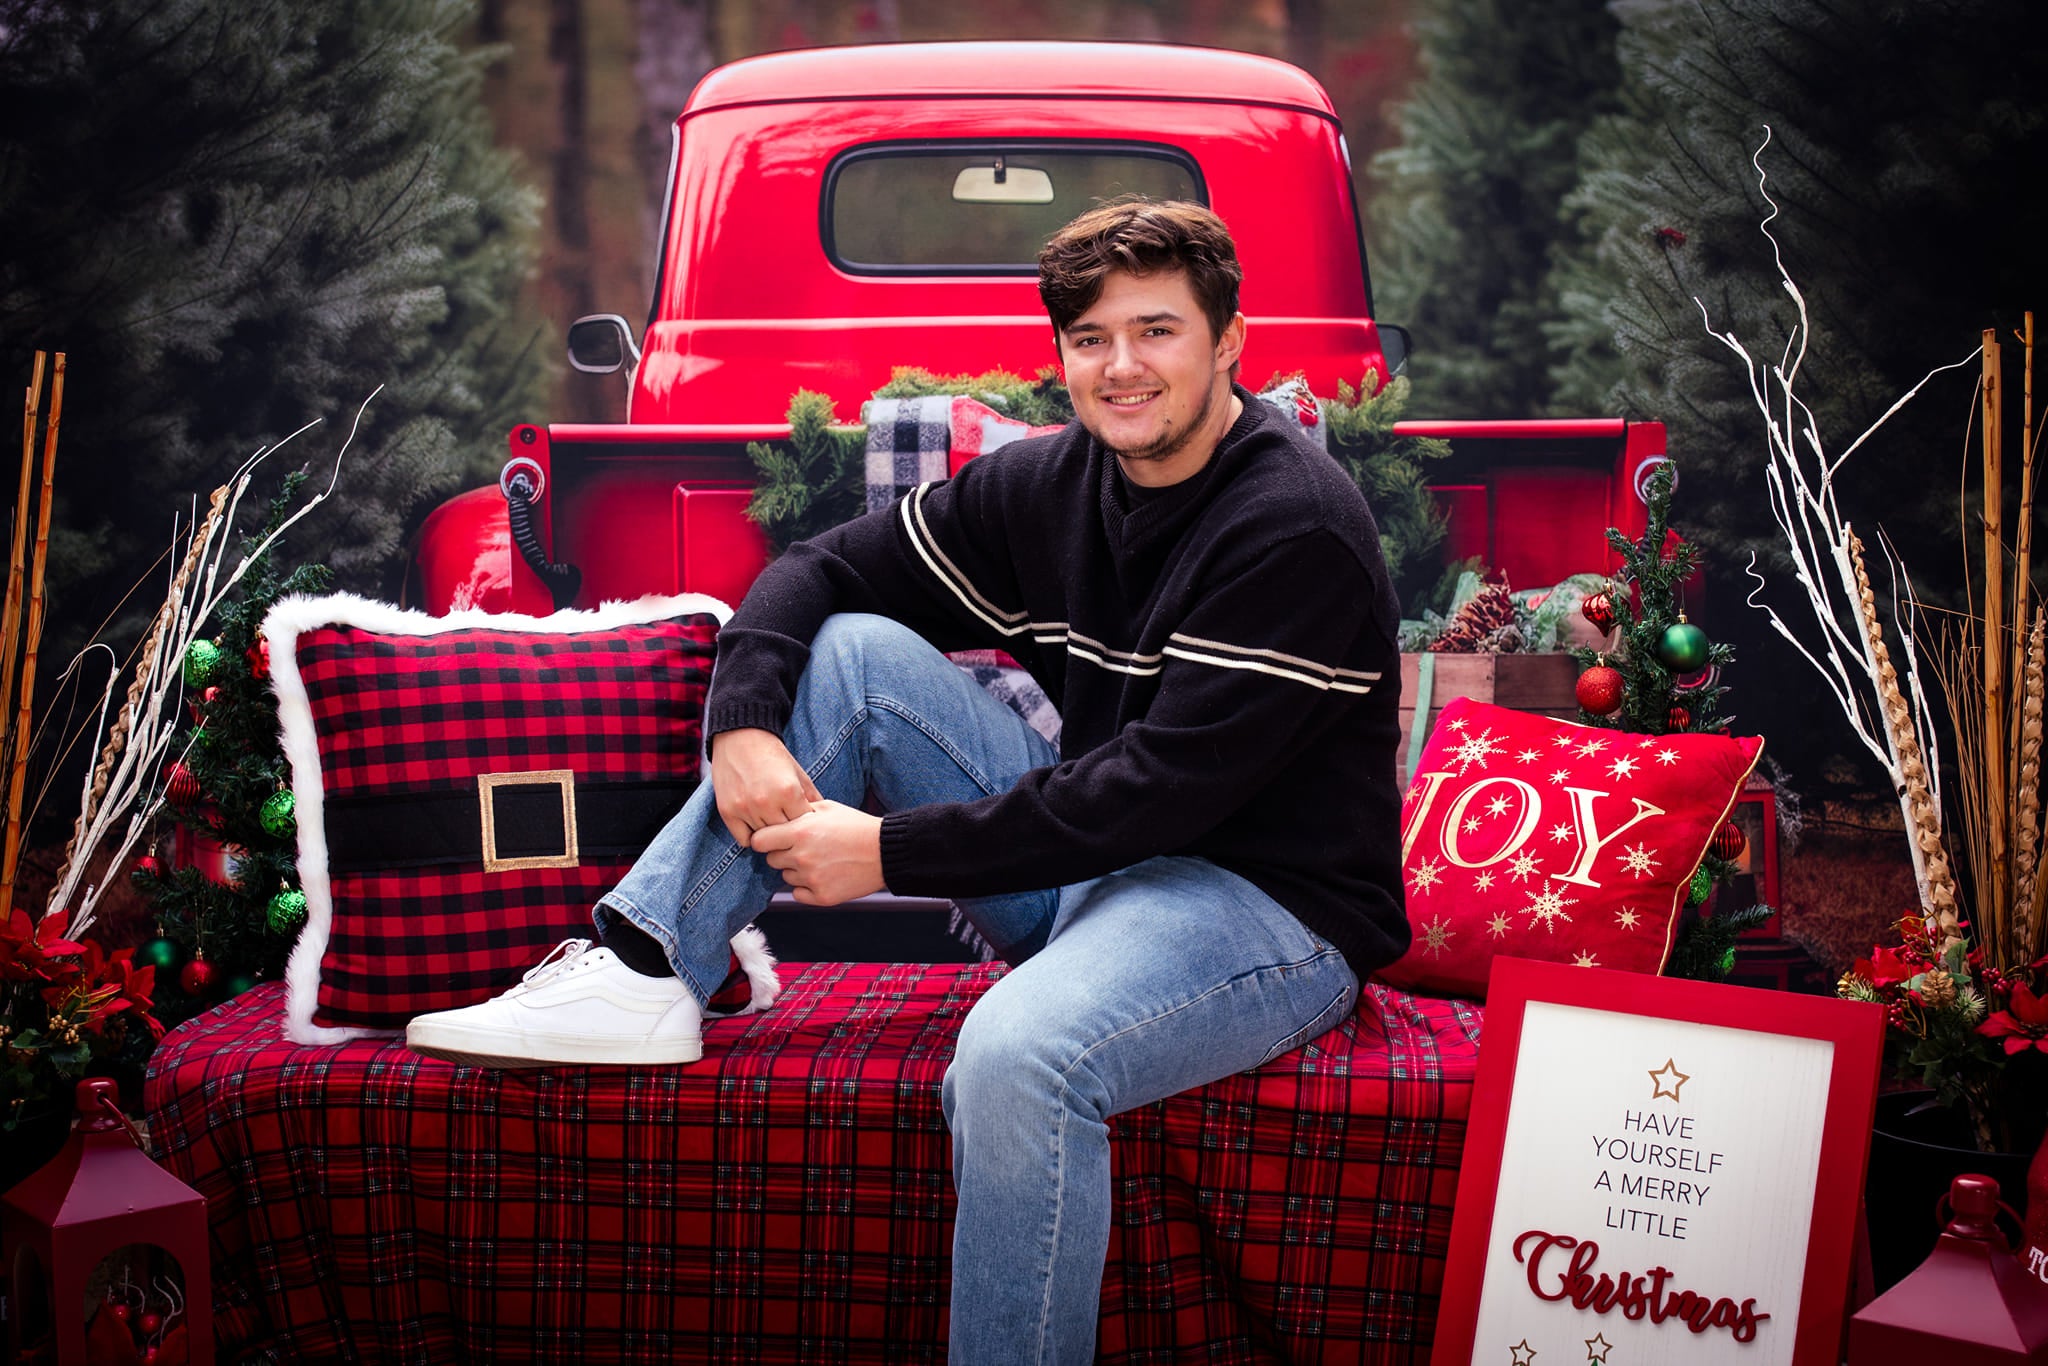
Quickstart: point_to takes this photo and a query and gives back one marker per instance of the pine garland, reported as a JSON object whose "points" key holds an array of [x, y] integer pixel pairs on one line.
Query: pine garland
{"points": [[817, 479]]}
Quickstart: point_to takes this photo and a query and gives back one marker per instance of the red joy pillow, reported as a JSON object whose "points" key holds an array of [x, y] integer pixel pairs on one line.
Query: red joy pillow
{"points": [[467, 787], [1538, 838]]}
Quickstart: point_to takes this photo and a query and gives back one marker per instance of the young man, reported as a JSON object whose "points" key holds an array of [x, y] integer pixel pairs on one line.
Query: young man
{"points": [[1193, 883]]}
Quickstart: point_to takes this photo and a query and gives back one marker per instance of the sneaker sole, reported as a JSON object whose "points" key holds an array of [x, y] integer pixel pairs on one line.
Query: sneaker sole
{"points": [[477, 1048]]}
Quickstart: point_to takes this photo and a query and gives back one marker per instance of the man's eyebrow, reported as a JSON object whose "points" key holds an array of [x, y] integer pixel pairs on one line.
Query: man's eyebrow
{"points": [[1143, 320]]}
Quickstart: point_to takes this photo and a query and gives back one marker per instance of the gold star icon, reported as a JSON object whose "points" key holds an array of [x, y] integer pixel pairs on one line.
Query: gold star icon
{"points": [[1524, 1354], [1597, 1347], [1668, 1076]]}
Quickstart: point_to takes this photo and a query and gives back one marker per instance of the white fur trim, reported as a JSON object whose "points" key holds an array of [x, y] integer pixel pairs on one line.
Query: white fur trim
{"points": [[291, 617], [750, 946]]}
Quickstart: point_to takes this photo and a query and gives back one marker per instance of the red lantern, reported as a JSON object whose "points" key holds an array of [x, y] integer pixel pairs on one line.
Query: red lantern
{"points": [[1729, 841], [1599, 690], [97, 1196], [1969, 1301], [1598, 608]]}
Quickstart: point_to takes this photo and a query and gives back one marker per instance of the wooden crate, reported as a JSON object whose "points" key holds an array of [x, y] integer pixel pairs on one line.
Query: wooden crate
{"points": [[1538, 683]]}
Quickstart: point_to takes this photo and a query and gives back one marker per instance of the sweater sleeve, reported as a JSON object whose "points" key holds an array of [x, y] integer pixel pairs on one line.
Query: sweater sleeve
{"points": [[1261, 667], [870, 564]]}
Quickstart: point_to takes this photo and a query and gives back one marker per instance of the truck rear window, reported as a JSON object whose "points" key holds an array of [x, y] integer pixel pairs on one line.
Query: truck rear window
{"points": [[984, 208]]}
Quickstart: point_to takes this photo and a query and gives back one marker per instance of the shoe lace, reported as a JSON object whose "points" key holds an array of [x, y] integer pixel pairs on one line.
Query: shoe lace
{"points": [[560, 958]]}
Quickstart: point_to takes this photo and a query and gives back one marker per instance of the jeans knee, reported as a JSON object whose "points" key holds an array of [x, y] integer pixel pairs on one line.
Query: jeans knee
{"points": [[1004, 1065], [853, 635]]}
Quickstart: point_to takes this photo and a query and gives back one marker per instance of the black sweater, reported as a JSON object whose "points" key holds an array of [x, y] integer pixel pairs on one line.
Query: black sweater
{"points": [[1222, 654]]}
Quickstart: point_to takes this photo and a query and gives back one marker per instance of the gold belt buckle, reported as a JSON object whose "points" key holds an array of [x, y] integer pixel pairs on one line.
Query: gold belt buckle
{"points": [[487, 785]]}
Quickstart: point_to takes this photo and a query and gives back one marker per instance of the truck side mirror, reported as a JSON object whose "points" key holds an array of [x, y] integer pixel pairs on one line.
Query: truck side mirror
{"points": [[602, 343], [1395, 344]]}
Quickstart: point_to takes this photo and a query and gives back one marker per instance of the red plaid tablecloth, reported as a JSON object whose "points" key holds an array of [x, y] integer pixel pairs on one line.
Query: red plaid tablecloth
{"points": [[788, 1199]]}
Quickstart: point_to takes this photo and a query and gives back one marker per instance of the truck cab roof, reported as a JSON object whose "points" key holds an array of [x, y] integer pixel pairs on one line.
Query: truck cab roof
{"points": [[1068, 70]]}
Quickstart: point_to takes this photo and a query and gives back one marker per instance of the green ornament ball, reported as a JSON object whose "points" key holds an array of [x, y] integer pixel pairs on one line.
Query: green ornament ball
{"points": [[1702, 886], [160, 953], [240, 982], [1683, 647], [278, 816], [1727, 961], [202, 658], [287, 910]]}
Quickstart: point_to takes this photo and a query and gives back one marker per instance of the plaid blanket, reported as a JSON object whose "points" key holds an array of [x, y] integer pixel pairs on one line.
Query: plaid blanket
{"points": [[788, 1200]]}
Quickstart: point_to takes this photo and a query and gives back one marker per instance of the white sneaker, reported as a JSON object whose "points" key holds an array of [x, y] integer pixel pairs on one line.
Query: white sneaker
{"points": [[577, 1005]]}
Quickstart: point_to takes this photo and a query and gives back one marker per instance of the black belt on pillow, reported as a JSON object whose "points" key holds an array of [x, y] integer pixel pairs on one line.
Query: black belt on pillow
{"points": [[508, 821]]}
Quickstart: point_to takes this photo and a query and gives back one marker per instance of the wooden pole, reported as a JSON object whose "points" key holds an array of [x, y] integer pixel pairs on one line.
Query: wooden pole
{"points": [[17, 782], [10, 615], [1996, 891]]}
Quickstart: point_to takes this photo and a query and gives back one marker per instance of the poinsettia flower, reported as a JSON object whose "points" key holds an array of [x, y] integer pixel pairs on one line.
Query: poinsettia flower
{"points": [[2023, 1024], [1889, 966]]}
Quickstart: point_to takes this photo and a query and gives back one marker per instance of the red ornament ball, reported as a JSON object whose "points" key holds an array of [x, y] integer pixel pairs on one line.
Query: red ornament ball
{"points": [[121, 1312], [1729, 841], [149, 1322], [1599, 690], [198, 977], [258, 656], [181, 787], [149, 865], [1598, 608], [210, 696], [1680, 718]]}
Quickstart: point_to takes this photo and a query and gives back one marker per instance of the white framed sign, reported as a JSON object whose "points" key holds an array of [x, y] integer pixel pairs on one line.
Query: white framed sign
{"points": [[1658, 1172]]}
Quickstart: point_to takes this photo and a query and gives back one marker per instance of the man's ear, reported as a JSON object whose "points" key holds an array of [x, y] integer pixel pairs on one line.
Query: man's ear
{"points": [[1230, 345]]}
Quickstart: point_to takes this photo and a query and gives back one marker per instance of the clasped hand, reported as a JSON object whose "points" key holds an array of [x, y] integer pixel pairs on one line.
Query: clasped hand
{"points": [[826, 851]]}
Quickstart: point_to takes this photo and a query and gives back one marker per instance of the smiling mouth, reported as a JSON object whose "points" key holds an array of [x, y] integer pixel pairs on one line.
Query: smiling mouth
{"points": [[1128, 400]]}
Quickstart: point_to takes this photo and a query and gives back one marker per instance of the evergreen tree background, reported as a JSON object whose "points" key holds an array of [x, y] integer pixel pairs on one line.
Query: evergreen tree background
{"points": [[1468, 208], [239, 218], [234, 753], [1905, 137]]}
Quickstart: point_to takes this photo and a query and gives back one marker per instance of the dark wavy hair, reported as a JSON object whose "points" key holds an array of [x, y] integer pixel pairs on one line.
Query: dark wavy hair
{"points": [[1141, 236]]}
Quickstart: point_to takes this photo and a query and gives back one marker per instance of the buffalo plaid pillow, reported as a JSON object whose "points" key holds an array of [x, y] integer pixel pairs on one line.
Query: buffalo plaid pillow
{"points": [[467, 787]]}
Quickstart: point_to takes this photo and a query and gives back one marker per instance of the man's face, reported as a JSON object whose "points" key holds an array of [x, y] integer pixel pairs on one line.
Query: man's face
{"points": [[1148, 378]]}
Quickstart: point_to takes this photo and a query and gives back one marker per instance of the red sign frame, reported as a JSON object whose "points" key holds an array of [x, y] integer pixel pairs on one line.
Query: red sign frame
{"points": [[1856, 1029]]}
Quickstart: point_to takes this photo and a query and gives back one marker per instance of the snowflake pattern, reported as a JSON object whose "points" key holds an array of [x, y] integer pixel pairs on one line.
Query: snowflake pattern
{"points": [[1667, 757], [1427, 874], [1483, 882], [1529, 756], [1640, 860], [1475, 750], [1561, 832], [1591, 748], [1436, 936], [1498, 926], [1585, 960], [1524, 864], [1627, 917], [1547, 908], [1624, 767]]}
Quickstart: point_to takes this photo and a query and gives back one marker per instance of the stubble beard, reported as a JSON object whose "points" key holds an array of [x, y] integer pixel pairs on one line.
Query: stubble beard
{"points": [[1170, 443]]}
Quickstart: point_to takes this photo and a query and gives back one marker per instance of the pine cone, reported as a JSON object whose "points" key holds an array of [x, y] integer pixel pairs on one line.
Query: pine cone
{"points": [[1488, 610], [1938, 989]]}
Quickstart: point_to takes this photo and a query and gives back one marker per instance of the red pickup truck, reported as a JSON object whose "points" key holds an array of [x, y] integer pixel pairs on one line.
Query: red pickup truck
{"points": [[835, 213]]}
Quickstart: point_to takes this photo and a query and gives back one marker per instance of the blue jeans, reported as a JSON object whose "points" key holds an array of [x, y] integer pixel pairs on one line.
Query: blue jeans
{"points": [[1125, 989]]}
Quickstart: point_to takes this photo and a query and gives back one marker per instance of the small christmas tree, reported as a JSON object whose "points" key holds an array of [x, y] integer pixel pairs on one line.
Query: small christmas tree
{"points": [[1664, 676], [232, 786]]}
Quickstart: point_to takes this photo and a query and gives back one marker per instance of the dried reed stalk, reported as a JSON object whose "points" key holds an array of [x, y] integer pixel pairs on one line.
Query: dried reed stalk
{"points": [[138, 686], [1923, 815], [17, 563], [17, 780], [2026, 924]]}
